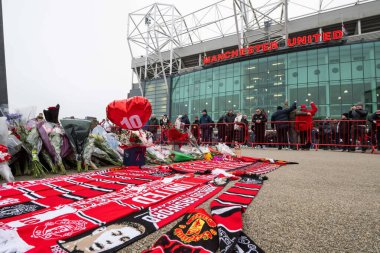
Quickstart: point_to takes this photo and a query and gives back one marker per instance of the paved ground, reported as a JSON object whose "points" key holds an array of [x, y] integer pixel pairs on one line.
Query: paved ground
{"points": [[330, 202]]}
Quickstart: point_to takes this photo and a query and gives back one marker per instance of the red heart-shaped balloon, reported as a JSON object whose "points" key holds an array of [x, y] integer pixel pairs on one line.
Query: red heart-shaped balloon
{"points": [[131, 113]]}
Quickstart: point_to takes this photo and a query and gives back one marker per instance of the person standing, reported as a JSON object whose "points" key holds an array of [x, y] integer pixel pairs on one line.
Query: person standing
{"points": [[244, 133], [358, 125], [238, 128], [153, 125], [185, 122], [259, 120], [221, 126], [281, 116], [375, 120], [304, 124], [195, 128], [165, 124], [293, 133], [343, 132], [206, 127], [229, 119]]}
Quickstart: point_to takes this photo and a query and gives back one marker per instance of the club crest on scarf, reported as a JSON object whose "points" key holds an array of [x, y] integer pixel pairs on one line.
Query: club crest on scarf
{"points": [[198, 227], [58, 229]]}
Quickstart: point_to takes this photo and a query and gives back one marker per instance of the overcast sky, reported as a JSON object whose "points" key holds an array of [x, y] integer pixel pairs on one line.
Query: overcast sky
{"points": [[72, 52]]}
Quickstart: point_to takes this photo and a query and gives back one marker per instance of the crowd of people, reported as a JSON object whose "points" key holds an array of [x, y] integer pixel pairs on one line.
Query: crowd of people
{"points": [[291, 128]]}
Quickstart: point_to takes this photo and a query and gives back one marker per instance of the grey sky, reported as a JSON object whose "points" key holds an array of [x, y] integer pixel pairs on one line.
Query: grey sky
{"points": [[73, 52]]}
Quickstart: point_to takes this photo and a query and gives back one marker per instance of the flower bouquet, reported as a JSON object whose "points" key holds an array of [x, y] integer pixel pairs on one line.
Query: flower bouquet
{"points": [[77, 131], [35, 142], [5, 171]]}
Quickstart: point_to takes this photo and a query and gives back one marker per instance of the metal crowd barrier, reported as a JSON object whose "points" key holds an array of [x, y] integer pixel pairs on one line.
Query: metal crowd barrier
{"points": [[321, 134]]}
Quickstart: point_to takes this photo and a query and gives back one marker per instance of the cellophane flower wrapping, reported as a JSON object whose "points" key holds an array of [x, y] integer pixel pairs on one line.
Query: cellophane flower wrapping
{"points": [[130, 138]]}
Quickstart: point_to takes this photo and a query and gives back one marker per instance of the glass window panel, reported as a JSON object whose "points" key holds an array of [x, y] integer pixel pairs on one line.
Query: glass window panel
{"points": [[356, 52], [197, 76], [333, 54], [208, 75], [345, 70], [301, 59], [191, 78], [222, 85], [377, 49], [334, 71], [346, 92], [263, 67], [215, 73], [222, 71], [322, 56], [253, 66], [208, 87], [323, 73], [377, 68], [357, 69], [292, 60], [335, 96], [323, 89], [244, 70], [312, 57], [312, 74], [230, 70], [313, 92], [229, 84], [236, 81], [302, 75], [302, 93], [237, 69], [368, 51], [292, 76], [369, 69], [357, 91], [345, 53]]}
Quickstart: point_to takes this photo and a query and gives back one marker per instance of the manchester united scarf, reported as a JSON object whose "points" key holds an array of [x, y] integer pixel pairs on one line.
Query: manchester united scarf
{"points": [[227, 212], [196, 233], [41, 230], [124, 231]]}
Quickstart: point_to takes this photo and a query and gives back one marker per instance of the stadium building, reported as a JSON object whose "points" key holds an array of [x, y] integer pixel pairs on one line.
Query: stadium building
{"points": [[235, 55]]}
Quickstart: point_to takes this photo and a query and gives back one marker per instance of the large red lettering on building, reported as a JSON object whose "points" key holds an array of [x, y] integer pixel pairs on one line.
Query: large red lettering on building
{"points": [[273, 45]]}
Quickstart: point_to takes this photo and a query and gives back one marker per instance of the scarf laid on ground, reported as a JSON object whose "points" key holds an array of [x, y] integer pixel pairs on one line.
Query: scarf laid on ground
{"points": [[196, 233], [139, 224], [39, 229], [227, 211]]}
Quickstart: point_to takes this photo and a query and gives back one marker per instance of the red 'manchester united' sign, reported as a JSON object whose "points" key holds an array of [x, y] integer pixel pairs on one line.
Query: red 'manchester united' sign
{"points": [[271, 46]]}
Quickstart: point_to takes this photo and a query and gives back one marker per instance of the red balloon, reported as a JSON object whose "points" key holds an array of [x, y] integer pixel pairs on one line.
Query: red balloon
{"points": [[131, 113]]}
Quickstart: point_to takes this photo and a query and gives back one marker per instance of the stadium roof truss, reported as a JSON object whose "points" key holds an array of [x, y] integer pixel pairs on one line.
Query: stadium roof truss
{"points": [[156, 31]]}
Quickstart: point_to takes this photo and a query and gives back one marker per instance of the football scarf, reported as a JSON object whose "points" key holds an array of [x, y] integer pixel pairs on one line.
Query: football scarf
{"points": [[227, 212], [123, 232], [41, 231], [196, 233], [203, 166]]}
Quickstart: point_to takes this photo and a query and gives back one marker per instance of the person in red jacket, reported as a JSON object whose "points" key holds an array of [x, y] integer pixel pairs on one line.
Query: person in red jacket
{"points": [[304, 124]]}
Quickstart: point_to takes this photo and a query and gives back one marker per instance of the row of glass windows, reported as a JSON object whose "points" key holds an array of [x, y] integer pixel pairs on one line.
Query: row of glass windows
{"points": [[334, 78], [364, 53]]}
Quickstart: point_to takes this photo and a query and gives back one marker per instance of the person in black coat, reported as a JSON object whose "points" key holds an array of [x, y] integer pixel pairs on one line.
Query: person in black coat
{"points": [[153, 124], [206, 127], [282, 128], [375, 128], [221, 129], [358, 126], [343, 132], [185, 120], [259, 120], [195, 128], [229, 119]]}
